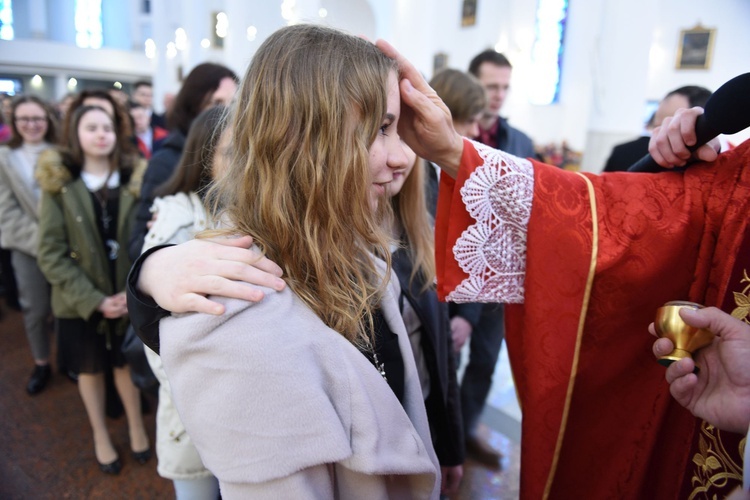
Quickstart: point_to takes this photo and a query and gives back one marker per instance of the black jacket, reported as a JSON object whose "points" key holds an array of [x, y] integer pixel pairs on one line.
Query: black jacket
{"points": [[625, 155], [160, 168], [444, 403]]}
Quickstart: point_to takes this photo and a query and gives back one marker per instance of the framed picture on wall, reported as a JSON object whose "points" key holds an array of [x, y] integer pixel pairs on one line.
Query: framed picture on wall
{"points": [[695, 48], [469, 13]]}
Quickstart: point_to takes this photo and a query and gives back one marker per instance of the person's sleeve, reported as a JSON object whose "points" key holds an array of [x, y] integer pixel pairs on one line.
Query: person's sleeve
{"points": [[157, 172], [17, 227], [481, 227], [455, 449], [469, 311], [58, 263], [144, 313]]}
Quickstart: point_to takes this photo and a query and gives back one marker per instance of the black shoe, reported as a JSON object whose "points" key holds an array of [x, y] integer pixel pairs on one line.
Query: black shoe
{"points": [[142, 456], [39, 379], [113, 468]]}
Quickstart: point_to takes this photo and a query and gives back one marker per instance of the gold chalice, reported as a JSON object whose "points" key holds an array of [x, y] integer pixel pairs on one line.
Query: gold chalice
{"points": [[686, 339]]}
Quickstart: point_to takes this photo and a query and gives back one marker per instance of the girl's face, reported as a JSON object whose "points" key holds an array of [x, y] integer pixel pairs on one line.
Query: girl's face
{"points": [[223, 94], [96, 133], [387, 154], [221, 154], [400, 175], [31, 122]]}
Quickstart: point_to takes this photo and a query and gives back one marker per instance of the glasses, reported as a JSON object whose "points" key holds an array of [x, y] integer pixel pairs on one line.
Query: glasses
{"points": [[25, 120]]}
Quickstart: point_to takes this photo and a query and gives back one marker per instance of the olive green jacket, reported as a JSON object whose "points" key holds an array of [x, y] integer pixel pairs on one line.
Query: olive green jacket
{"points": [[71, 252]]}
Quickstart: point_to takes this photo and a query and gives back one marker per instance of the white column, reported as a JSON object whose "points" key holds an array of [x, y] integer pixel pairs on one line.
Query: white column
{"points": [[619, 70], [163, 69]]}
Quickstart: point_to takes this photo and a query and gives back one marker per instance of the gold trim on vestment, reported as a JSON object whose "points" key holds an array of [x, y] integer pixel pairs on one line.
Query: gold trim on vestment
{"points": [[579, 335]]}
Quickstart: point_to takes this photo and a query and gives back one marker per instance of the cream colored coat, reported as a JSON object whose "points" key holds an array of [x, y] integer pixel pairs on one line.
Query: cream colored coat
{"points": [[281, 406]]}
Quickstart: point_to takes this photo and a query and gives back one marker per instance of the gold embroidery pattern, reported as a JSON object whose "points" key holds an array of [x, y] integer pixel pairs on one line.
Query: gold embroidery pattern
{"points": [[742, 299], [715, 466]]}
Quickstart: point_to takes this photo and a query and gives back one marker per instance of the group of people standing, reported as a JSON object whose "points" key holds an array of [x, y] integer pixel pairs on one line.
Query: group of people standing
{"points": [[70, 190], [339, 380]]}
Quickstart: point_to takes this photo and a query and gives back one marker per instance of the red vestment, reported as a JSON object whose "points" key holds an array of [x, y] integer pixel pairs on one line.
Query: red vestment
{"points": [[598, 419]]}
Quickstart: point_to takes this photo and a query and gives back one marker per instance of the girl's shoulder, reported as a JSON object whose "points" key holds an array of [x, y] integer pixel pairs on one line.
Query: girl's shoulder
{"points": [[51, 173]]}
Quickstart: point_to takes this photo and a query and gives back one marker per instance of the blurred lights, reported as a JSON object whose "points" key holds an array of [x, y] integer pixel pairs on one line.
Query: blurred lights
{"points": [[117, 85], [180, 39], [171, 50], [72, 83], [150, 48], [222, 24], [288, 11], [252, 32], [323, 12], [205, 43], [37, 82]]}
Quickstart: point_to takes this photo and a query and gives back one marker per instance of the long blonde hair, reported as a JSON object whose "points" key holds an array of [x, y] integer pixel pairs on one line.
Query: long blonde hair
{"points": [[309, 108], [410, 208]]}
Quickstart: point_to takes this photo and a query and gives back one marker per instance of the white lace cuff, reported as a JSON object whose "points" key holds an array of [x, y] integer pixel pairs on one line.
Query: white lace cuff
{"points": [[498, 195]]}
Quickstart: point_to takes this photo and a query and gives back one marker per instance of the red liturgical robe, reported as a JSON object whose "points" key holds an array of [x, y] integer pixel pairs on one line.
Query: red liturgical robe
{"points": [[602, 254]]}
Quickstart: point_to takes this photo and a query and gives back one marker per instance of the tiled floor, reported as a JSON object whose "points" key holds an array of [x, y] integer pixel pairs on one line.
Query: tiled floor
{"points": [[46, 449]]}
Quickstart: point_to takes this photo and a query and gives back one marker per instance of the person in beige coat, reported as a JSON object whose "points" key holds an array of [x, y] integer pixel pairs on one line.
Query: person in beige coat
{"points": [[314, 392], [34, 131]]}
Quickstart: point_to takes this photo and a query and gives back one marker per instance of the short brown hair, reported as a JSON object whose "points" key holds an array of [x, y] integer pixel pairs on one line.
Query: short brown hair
{"points": [[461, 92]]}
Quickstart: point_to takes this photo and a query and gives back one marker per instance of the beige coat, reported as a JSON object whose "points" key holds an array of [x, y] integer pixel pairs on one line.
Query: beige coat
{"points": [[19, 208], [281, 406]]}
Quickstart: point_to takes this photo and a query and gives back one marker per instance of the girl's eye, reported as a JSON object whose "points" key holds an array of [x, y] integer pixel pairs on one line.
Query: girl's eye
{"points": [[384, 128]]}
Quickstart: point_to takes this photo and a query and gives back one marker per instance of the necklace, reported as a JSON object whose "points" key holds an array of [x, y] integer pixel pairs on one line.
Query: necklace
{"points": [[373, 357]]}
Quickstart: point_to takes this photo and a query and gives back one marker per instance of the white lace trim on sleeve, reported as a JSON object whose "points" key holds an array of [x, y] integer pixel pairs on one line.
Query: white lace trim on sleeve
{"points": [[492, 251]]}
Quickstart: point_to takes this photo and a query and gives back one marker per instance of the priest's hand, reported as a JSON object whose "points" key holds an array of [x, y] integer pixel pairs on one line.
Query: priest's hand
{"points": [[425, 123], [720, 392], [670, 141], [180, 277]]}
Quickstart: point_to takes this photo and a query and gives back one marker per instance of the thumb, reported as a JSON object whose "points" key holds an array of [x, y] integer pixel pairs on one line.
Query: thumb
{"points": [[712, 319]]}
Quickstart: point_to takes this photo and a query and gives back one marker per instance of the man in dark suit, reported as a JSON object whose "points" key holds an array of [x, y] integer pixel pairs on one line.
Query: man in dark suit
{"points": [[626, 154], [143, 94]]}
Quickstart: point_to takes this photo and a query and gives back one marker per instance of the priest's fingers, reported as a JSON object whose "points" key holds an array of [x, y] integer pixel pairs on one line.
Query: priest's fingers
{"points": [[716, 321], [406, 69], [708, 152], [669, 141], [681, 369], [662, 347]]}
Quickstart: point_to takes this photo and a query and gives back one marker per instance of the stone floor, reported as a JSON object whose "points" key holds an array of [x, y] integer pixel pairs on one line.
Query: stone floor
{"points": [[46, 450]]}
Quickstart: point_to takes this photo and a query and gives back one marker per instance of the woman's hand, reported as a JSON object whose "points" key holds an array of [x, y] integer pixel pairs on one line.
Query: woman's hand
{"points": [[425, 123], [180, 277], [114, 306]]}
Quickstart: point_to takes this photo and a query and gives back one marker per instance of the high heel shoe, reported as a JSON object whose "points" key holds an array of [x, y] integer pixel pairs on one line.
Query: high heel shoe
{"points": [[113, 468], [142, 456]]}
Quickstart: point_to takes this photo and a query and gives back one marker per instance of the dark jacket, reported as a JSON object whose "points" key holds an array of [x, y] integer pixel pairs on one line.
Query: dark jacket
{"points": [[160, 168], [626, 154], [443, 404], [513, 141], [71, 254]]}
